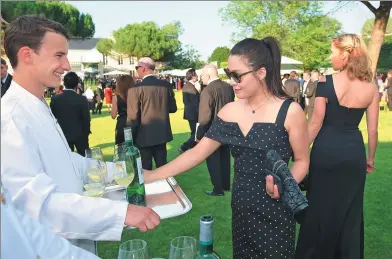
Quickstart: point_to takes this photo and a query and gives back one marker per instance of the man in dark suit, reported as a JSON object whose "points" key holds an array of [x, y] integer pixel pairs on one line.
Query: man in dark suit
{"points": [[71, 112], [293, 87], [311, 92], [215, 95], [148, 106], [388, 89], [6, 78], [191, 99]]}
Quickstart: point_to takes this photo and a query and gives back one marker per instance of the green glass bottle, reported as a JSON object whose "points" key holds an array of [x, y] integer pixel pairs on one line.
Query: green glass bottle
{"points": [[206, 245], [136, 193]]}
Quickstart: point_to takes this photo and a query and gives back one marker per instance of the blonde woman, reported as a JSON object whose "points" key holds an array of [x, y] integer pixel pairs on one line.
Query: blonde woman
{"points": [[333, 227]]}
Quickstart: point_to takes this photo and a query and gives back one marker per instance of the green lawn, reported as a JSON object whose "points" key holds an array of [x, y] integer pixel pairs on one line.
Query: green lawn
{"points": [[378, 197]]}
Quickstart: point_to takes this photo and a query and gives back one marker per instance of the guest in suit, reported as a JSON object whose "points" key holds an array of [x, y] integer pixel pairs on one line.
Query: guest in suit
{"points": [[149, 103], [99, 99], [6, 78], [71, 112], [310, 95], [215, 95], [388, 89], [305, 100], [292, 88], [119, 107], [191, 99]]}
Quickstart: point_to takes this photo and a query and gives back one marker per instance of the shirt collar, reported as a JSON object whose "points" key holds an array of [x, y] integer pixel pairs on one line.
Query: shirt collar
{"points": [[5, 78], [212, 80], [65, 89], [144, 77]]}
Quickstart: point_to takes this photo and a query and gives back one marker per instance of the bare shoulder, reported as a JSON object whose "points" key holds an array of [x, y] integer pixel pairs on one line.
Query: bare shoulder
{"points": [[295, 109], [230, 111]]}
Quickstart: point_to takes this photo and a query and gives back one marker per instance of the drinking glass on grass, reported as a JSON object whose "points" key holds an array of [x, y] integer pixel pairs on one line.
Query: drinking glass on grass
{"points": [[183, 248], [124, 172]]}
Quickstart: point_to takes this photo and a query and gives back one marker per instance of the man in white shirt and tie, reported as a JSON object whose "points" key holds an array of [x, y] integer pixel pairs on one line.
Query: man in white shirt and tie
{"points": [[44, 178]]}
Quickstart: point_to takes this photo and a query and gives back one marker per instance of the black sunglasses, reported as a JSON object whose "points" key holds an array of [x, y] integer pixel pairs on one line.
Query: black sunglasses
{"points": [[235, 76]]}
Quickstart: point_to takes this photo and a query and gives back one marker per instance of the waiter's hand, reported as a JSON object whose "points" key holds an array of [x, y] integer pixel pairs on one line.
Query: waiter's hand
{"points": [[143, 218]]}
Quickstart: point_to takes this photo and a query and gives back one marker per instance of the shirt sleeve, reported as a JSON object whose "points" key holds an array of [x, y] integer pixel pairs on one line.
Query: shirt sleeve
{"points": [[34, 192]]}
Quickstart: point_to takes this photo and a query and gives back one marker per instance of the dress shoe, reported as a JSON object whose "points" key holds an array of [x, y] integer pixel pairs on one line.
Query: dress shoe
{"points": [[212, 193]]}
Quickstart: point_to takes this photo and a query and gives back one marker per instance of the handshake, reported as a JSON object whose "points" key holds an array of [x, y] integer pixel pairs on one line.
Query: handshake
{"points": [[288, 188]]}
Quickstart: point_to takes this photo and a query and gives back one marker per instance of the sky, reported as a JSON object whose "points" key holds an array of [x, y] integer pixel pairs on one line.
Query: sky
{"points": [[203, 27]]}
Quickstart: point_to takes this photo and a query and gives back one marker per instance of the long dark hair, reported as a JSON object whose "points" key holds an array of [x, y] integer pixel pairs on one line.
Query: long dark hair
{"points": [[263, 53]]}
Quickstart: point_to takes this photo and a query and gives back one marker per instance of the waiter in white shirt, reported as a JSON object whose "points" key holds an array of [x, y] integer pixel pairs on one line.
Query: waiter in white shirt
{"points": [[24, 237], [44, 178]]}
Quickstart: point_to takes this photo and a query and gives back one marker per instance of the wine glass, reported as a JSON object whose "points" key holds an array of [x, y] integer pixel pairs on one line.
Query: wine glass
{"points": [[183, 248], [94, 182], [133, 249], [123, 172]]}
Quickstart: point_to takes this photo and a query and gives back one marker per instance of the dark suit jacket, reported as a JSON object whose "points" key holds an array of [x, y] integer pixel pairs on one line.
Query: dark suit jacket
{"points": [[216, 95], [71, 112], [191, 99], [6, 85], [293, 89], [148, 106], [311, 92]]}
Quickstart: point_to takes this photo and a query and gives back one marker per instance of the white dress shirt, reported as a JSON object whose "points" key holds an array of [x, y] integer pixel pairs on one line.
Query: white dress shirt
{"points": [[24, 237], [45, 179]]}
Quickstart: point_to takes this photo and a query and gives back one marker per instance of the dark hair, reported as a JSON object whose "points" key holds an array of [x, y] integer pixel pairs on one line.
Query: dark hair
{"points": [[3, 61], [28, 30], [190, 73], [123, 83], [71, 80], [263, 53]]}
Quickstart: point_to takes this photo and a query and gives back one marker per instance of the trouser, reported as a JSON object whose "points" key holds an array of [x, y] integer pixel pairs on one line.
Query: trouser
{"points": [[99, 108], [81, 145], [91, 105], [158, 152], [309, 110], [190, 143], [390, 102], [218, 164]]}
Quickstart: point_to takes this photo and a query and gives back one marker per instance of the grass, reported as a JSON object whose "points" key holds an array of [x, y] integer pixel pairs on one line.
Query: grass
{"points": [[377, 210]]}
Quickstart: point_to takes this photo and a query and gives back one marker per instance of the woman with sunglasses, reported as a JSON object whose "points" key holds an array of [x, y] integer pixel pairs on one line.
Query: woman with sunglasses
{"points": [[263, 118]]}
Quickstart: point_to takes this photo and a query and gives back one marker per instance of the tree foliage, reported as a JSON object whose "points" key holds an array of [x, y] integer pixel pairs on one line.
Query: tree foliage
{"points": [[220, 54], [385, 60], [105, 46], [302, 29], [185, 57], [147, 39], [78, 25]]}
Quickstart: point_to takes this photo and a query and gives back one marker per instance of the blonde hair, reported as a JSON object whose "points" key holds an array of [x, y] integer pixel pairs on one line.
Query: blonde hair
{"points": [[358, 64]]}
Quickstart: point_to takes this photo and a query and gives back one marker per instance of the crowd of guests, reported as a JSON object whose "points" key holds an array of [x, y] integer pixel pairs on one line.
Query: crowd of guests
{"points": [[269, 114]]}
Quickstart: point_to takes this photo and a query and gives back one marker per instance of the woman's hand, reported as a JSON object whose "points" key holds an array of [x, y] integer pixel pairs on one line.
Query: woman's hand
{"points": [[147, 175], [370, 165], [271, 188]]}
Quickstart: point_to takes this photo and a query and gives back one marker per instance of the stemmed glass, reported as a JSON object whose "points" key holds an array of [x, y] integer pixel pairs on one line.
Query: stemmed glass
{"points": [[133, 249], [96, 171], [183, 248]]}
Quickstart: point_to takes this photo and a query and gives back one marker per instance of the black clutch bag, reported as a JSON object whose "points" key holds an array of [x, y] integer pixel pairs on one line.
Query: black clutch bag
{"points": [[289, 190]]}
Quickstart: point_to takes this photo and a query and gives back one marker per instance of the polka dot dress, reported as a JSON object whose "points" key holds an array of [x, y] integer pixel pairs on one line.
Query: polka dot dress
{"points": [[261, 226]]}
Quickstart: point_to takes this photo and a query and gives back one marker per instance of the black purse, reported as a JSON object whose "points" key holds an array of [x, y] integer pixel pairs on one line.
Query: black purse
{"points": [[289, 190]]}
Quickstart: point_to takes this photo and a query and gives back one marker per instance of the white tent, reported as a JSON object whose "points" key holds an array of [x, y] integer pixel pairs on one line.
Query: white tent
{"points": [[290, 61], [115, 72]]}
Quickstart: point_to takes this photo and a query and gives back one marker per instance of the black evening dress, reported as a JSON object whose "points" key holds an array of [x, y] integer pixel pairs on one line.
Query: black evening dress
{"points": [[121, 120], [333, 226], [261, 226]]}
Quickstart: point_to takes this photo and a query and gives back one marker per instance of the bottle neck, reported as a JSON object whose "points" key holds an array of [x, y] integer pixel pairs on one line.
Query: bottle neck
{"points": [[128, 137], [206, 244]]}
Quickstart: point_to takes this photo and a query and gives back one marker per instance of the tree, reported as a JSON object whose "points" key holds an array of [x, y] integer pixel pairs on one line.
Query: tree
{"points": [[220, 54], [378, 31], [78, 25], [303, 31], [105, 47], [147, 39], [385, 60], [185, 57], [367, 28]]}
